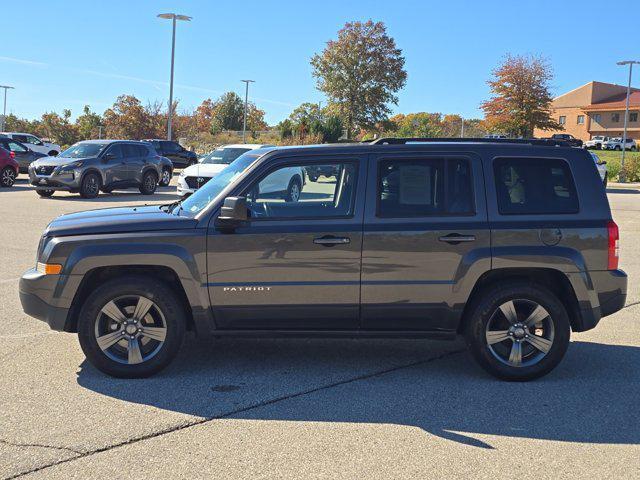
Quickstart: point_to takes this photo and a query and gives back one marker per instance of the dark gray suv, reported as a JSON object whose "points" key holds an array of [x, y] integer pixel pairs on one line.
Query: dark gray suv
{"points": [[509, 243], [93, 165]]}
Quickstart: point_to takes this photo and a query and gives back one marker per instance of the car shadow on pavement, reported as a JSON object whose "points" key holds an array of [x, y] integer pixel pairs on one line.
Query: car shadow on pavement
{"points": [[590, 398], [623, 190]]}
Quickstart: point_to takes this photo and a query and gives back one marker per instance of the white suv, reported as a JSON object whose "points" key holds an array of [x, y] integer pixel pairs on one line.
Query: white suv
{"points": [[34, 143], [596, 142], [616, 144]]}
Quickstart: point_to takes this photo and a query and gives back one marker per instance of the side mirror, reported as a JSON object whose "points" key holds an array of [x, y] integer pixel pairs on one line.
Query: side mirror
{"points": [[108, 157], [233, 214]]}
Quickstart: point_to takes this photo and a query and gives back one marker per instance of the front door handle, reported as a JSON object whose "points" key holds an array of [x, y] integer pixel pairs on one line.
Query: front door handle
{"points": [[330, 240], [456, 238]]}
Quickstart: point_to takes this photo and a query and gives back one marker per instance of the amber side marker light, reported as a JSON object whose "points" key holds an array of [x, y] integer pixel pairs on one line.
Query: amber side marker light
{"points": [[49, 268]]}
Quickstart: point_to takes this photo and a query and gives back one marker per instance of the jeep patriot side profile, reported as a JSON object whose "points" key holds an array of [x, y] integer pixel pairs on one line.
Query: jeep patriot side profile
{"points": [[510, 243]]}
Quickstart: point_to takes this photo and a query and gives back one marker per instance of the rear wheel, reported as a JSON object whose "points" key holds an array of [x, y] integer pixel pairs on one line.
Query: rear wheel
{"points": [[131, 327], [149, 183], [45, 193], [518, 331], [7, 177], [293, 190], [90, 185]]}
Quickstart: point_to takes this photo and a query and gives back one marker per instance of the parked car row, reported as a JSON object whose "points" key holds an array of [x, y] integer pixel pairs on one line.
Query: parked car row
{"points": [[34, 143]]}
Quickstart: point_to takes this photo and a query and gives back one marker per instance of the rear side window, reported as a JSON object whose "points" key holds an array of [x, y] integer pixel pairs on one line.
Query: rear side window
{"points": [[424, 187], [534, 186]]}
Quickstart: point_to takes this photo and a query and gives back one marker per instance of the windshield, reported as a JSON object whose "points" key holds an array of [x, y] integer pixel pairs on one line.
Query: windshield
{"points": [[223, 155], [83, 150], [202, 197]]}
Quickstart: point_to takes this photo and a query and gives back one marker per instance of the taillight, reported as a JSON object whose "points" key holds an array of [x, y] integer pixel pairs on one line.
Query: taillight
{"points": [[614, 240], [13, 155]]}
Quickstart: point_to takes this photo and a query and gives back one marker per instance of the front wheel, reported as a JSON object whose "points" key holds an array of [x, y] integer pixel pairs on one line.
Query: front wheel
{"points": [[165, 179], [45, 193], [131, 327], [90, 186], [7, 177], [617, 147], [518, 331]]}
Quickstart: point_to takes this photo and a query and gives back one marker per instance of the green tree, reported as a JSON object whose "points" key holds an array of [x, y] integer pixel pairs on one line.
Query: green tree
{"points": [[128, 119], [420, 124], [228, 113], [88, 124], [59, 128], [521, 98], [360, 73]]}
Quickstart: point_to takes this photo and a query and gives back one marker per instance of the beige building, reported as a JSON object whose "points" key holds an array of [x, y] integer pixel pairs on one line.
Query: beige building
{"points": [[595, 109]]}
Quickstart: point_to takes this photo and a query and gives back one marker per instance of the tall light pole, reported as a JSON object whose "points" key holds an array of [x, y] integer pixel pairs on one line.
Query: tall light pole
{"points": [[246, 100], [4, 111], [626, 116], [173, 17]]}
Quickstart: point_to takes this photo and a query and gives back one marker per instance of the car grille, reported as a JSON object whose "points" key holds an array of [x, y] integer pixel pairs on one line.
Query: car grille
{"points": [[44, 169], [196, 182]]}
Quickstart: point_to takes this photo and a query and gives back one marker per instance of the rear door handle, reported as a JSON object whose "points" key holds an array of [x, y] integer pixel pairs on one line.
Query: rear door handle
{"points": [[330, 240], [455, 238]]}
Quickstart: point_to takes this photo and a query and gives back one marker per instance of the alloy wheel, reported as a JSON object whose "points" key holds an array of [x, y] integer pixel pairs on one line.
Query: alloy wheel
{"points": [[166, 177], [130, 329], [8, 177], [520, 333], [294, 192], [92, 187]]}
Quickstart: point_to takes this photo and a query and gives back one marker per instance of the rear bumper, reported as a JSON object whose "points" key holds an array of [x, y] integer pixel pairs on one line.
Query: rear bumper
{"points": [[35, 289], [611, 288]]}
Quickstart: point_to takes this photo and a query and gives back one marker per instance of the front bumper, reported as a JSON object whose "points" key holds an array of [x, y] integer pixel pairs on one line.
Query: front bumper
{"points": [[36, 296], [65, 181], [183, 189]]}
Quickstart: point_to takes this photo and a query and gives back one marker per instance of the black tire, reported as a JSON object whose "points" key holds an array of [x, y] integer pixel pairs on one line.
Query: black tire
{"points": [[617, 147], [534, 363], [113, 360], [107, 190], [7, 177], [90, 185], [165, 180], [633, 149], [313, 178], [45, 193], [149, 183], [294, 190], [606, 179]]}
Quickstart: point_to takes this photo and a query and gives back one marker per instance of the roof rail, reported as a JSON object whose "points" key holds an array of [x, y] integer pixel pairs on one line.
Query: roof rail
{"points": [[521, 141]]}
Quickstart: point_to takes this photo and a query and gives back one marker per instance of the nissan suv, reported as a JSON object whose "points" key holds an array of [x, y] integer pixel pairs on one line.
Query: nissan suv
{"points": [[509, 243], [91, 166]]}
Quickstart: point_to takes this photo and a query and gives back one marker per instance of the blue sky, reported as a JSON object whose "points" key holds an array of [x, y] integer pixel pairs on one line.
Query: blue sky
{"points": [[69, 53]]}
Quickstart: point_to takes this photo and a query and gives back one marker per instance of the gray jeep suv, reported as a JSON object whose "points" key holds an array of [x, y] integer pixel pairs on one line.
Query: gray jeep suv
{"points": [[509, 243], [93, 165]]}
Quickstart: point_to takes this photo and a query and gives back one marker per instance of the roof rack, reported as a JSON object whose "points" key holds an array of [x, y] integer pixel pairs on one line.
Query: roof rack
{"points": [[521, 141]]}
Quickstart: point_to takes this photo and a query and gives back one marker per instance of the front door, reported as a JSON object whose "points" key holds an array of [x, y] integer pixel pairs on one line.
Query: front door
{"points": [[296, 264], [115, 169], [425, 235]]}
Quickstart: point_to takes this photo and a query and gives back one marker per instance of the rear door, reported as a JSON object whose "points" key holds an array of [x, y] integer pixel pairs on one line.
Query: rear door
{"points": [[425, 238], [135, 162]]}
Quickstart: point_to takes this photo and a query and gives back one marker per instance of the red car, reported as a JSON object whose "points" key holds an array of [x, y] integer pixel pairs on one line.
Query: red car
{"points": [[8, 168]]}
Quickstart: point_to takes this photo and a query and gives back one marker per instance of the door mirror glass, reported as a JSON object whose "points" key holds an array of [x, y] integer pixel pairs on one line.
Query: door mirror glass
{"points": [[232, 214]]}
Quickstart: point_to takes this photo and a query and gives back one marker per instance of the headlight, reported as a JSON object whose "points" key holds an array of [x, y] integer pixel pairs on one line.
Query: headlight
{"points": [[182, 174]]}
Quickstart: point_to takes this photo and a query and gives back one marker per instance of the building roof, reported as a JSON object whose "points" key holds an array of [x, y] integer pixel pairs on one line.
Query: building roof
{"points": [[617, 102]]}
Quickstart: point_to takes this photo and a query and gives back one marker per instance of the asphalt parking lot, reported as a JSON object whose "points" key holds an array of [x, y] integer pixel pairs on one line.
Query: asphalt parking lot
{"points": [[309, 408]]}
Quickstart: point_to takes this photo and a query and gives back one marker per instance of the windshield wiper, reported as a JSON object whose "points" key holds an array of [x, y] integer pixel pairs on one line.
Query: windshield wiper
{"points": [[171, 206]]}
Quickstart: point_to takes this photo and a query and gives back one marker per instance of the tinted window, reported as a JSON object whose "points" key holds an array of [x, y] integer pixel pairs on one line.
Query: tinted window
{"points": [[170, 147], [143, 151], [287, 193], [130, 150], [425, 187], [16, 147], [534, 186], [20, 138], [223, 155], [115, 150]]}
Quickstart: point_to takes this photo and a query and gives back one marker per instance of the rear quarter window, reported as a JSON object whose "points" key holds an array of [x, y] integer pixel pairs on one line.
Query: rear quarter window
{"points": [[534, 186]]}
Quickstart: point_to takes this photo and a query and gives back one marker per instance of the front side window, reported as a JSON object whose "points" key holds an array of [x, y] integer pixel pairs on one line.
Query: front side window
{"points": [[424, 187], [531, 186], [170, 147], [288, 192]]}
